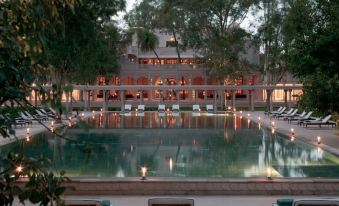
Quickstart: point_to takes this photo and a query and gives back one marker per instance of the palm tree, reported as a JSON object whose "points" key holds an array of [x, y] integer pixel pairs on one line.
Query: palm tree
{"points": [[148, 41]]}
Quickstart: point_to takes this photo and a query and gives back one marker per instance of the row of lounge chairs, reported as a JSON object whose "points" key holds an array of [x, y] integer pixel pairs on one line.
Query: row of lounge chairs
{"points": [[27, 117], [303, 119], [162, 108]]}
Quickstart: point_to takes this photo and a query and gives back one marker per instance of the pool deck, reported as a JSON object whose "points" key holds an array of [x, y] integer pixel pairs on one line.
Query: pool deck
{"points": [[198, 200], [127, 191]]}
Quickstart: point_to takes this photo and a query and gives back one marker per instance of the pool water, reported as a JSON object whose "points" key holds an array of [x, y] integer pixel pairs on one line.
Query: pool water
{"points": [[186, 145]]}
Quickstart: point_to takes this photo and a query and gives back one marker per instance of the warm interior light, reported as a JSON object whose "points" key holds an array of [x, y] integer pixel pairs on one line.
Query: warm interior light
{"points": [[269, 173], [143, 173]]}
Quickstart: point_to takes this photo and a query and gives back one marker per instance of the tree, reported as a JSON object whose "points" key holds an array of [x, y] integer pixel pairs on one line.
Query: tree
{"points": [[84, 46], [271, 34], [312, 31], [213, 29], [148, 41]]}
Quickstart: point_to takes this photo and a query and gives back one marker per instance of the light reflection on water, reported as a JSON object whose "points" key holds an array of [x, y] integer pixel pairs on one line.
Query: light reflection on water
{"points": [[186, 145]]}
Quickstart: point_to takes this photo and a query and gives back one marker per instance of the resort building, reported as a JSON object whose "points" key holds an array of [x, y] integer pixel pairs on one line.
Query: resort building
{"points": [[149, 78]]}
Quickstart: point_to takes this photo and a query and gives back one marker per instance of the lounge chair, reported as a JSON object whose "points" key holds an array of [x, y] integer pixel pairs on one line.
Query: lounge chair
{"points": [[50, 114], [307, 202], [40, 114], [17, 121], [27, 119], [170, 201], [141, 108], [305, 117], [88, 202], [196, 108], [35, 117], [175, 108], [275, 115], [52, 110], [325, 121], [276, 111], [291, 114], [161, 108], [127, 108], [209, 108]]}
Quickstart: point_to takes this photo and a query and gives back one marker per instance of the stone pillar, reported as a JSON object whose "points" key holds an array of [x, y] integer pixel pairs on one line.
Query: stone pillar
{"points": [[222, 100], [190, 90], [250, 100], [122, 97], [215, 100], [285, 97], [142, 97], [178, 96], [104, 102], [86, 98], [71, 102], [233, 99], [150, 91], [290, 97]]}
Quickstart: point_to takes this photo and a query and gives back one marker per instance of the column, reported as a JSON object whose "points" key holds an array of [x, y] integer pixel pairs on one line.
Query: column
{"points": [[150, 91], [86, 98], [71, 102], [142, 97], [222, 99], [215, 100], [190, 90], [233, 99], [122, 97], [290, 97], [67, 101], [285, 97], [178, 96], [250, 100], [104, 98]]}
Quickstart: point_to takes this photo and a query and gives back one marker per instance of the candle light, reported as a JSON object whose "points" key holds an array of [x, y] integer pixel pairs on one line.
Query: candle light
{"points": [[143, 173], [269, 173]]}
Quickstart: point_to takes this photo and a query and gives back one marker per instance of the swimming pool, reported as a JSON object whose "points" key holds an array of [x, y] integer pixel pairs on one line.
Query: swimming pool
{"points": [[186, 145]]}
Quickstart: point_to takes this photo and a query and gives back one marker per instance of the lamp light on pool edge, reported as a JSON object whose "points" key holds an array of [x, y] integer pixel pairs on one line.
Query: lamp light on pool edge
{"points": [[82, 114], [259, 119], [319, 139], [240, 112], [19, 169], [101, 110], [292, 138], [143, 173], [292, 132], [229, 108], [136, 110], [248, 115], [269, 173], [93, 111], [272, 124], [27, 131]]}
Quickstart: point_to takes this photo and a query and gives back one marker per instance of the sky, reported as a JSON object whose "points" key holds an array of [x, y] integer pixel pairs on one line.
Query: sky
{"points": [[129, 5]]}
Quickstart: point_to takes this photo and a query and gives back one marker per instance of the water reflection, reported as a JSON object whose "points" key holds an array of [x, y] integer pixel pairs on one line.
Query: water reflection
{"points": [[179, 146]]}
